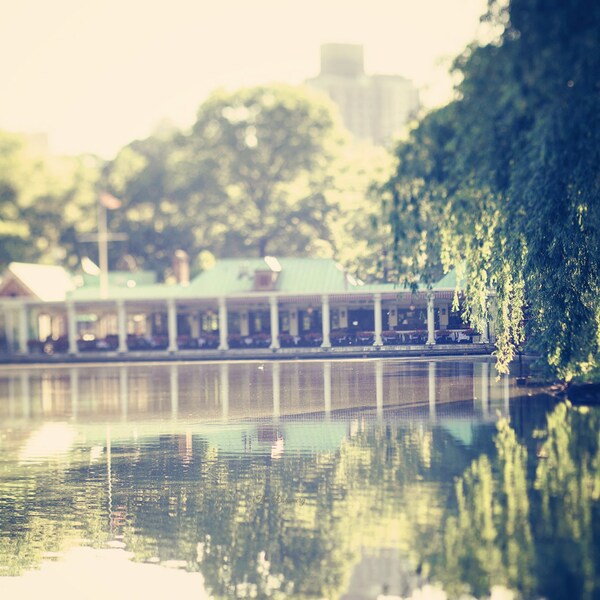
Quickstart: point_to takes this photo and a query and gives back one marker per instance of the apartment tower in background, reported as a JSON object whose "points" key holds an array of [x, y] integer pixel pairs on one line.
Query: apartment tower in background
{"points": [[373, 107]]}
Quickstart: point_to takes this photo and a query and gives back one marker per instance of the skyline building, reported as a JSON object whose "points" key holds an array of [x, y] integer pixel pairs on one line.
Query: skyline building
{"points": [[373, 107]]}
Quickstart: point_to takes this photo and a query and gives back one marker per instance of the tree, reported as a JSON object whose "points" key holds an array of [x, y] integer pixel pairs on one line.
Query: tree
{"points": [[519, 188], [360, 230], [262, 155], [41, 199], [157, 222], [253, 175]]}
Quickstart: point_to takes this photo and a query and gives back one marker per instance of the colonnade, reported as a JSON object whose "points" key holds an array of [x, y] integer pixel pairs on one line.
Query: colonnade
{"points": [[274, 303]]}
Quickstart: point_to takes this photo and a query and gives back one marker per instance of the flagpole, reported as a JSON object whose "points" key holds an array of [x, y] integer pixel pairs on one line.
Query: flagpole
{"points": [[103, 249]]}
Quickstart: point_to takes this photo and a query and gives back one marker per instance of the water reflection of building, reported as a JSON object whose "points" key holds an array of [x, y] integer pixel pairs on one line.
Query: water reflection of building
{"points": [[248, 406], [261, 307]]}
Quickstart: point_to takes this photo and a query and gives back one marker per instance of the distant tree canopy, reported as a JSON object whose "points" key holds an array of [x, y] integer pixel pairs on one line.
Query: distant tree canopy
{"points": [[41, 200], [506, 178], [268, 151], [254, 176], [263, 170]]}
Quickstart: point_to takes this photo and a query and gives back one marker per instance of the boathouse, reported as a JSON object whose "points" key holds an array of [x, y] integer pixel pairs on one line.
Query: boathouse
{"points": [[250, 306]]}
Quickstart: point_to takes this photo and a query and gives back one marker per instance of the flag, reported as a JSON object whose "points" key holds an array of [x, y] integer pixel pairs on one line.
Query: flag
{"points": [[109, 201]]}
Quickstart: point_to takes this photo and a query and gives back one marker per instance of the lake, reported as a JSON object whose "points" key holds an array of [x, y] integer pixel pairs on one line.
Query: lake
{"points": [[353, 479]]}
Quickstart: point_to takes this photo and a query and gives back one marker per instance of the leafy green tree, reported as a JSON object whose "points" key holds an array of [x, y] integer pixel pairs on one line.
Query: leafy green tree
{"points": [[253, 175], [518, 188], [415, 198], [13, 231], [360, 227], [41, 199], [156, 221], [265, 151]]}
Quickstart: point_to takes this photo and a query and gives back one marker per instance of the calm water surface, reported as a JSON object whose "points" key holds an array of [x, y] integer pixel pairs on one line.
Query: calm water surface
{"points": [[325, 479]]}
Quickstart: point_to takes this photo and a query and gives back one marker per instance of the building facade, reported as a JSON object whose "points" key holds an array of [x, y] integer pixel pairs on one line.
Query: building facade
{"points": [[281, 306]]}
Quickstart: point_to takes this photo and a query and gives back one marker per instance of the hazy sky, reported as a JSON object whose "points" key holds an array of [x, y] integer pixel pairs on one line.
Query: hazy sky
{"points": [[96, 74]]}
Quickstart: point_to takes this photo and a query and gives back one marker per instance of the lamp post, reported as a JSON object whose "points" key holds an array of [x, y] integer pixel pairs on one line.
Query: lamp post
{"points": [[106, 202], [103, 249]]}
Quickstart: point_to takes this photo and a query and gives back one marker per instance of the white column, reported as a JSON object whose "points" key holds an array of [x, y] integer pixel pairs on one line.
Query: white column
{"points": [[223, 334], [378, 327], [72, 327], [172, 323], [9, 328], [274, 322], [325, 322], [294, 327], [122, 326], [430, 321], [23, 329]]}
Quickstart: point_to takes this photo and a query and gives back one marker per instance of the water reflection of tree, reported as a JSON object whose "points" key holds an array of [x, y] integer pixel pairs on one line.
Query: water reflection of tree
{"points": [[487, 540], [252, 526], [568, 483], [520, 513], [532, 533], [304, 517], [44, 509]]}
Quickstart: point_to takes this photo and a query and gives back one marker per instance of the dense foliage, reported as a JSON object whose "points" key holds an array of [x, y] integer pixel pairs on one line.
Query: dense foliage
{"points": [[248, 179], [506, 179], [42, 198]]}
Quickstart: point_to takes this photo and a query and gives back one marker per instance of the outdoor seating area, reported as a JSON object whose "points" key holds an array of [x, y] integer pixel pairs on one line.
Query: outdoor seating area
{"points": [[210, 341]]}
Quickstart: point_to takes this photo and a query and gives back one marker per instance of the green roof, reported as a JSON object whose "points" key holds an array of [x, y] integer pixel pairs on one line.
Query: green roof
{"points": [[297, 275], [123, 285], [158, 291], [121, 278], [235, 276], [448, 282]]}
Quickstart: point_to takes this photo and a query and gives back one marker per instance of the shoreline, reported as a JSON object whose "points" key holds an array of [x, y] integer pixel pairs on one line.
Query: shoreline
{"points": [[437, 350]]}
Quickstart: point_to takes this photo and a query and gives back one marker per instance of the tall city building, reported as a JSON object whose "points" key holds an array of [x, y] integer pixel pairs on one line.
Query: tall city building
{"points": [[373, 107]]}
